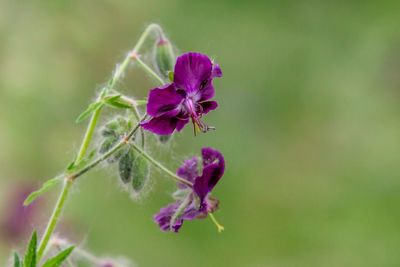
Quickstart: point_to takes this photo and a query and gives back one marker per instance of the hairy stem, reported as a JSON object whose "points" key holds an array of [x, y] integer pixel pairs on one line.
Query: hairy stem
{"points": [[160, 166], [106, 155], [54, 218], [52, 223], [147, 69]]}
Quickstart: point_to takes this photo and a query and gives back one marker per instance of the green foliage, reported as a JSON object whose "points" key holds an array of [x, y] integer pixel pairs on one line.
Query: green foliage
{"points": [[31, 252], [90, 109], [76, 165], [125, 166], [112, 132], [45, 187], [57, 260], [140, 173], [117, 101], [17, 260]]}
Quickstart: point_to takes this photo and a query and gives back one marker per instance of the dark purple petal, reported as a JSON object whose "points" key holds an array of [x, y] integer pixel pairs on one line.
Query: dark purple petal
{"points": [[208, 106], [191, 69], [181, 123], [162, 125], [216, 71], [214, 167], [206, 91], [162, 100], [188, 170], [163, 218]]}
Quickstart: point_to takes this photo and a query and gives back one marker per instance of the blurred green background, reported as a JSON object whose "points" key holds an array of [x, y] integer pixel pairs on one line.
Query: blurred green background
{"points": [[308, 123]]}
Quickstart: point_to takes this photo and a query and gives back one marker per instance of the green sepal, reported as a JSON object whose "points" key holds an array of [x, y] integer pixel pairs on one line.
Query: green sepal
{"points": [[17, 260], [57, 260], [171, 76], [140, 173], [90, 109], [49, 184], [164, 138], [30, 255]]}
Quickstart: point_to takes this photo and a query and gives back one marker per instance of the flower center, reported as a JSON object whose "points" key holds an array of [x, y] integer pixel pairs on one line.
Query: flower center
{"points": [[195, 111]]}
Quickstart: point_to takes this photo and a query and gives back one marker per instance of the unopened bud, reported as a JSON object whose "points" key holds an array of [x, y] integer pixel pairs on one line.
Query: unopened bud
{"points": [[164, 57]]}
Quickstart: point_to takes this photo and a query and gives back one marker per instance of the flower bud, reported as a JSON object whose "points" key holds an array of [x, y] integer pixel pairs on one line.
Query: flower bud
{"points": [[164, 57], [164, 138]]}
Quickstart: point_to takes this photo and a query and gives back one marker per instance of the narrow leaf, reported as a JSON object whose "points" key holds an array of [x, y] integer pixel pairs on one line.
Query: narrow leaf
{"points": [[17, 260], [59, 259], [117, 101], [90, 109], [45, 187], [30, 255]]}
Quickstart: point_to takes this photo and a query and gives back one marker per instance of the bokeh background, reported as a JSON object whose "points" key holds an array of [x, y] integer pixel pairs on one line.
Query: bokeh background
{"points": [[309, 122]]}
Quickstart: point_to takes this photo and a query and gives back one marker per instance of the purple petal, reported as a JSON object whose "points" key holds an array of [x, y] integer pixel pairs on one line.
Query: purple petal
{"points": [[208, 106], [188, 170], [181, 123], [191, 69], [216, 71], [206, 90], [214, 167], [162, 125], [162, 100], [163, 218]]}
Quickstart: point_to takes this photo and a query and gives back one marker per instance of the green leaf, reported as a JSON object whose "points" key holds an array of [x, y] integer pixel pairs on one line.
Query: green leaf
{"points": [[125, 166], [140, 173], [45, 187], [90, 109], [17, 260], [59, 259], [117, 101], [30, 255]]}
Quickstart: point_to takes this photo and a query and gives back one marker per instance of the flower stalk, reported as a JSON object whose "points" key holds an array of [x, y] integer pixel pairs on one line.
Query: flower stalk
{"points": [[69, 180]]}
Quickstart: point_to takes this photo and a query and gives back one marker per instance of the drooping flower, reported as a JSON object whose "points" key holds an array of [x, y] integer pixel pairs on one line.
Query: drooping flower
{"points": [[186, 98], [193, 202]]}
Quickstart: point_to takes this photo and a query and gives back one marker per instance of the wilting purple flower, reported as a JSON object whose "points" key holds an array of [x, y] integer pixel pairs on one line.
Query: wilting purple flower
{"points": [[186, 98], [196, 201], [17, 220]]}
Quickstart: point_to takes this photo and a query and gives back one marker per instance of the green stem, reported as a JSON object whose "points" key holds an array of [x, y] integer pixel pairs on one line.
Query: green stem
{"points": [[160, 166], [145, 34], [106, 155], [147, 69], [87, 139], [54, 218], [88, 136]]}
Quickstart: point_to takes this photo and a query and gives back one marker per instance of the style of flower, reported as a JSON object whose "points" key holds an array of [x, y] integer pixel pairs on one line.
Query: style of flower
{"points": [[193, 202], [186, 98]]}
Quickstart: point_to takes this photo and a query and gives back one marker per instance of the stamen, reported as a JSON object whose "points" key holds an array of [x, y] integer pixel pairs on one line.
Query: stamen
{"points": [[220, 228]]}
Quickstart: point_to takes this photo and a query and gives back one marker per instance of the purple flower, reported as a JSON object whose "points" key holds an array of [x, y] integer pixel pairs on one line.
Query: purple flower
{"points": [[193, 202], [186, 98]]}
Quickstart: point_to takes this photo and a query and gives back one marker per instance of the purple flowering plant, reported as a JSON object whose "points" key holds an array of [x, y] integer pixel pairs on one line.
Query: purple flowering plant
{"points": [[184, 93]]}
